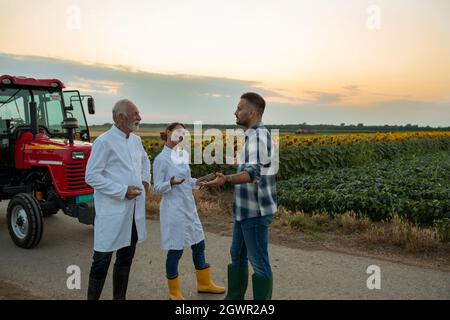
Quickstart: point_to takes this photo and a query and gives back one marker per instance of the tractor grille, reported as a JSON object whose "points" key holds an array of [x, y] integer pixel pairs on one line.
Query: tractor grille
{"points": [[75, 176]]}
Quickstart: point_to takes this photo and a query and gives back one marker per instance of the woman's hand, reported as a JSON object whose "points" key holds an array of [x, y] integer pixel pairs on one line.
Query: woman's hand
{"points": [[200, 183], [174, 181]]}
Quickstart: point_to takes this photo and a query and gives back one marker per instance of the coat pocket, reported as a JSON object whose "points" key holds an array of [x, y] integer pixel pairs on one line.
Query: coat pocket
{"points": [[107, 206]]}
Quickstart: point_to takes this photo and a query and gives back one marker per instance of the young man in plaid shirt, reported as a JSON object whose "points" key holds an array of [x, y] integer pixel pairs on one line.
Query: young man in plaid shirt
{"points": [[254, 204]]}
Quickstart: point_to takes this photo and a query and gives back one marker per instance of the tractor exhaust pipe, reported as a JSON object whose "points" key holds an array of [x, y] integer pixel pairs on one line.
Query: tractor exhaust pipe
{"points": [[33, 117]]}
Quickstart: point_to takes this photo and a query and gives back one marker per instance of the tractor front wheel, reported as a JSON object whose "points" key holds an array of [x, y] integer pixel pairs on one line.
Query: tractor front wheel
{"points": [[25, 221]]}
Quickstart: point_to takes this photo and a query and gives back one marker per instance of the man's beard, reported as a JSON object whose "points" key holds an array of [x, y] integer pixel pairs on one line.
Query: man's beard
{"points": [[240, 123], [133, 126]]}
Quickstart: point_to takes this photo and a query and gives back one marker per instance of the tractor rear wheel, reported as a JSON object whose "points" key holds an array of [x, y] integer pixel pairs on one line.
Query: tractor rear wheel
{"points": [[25, 221]]}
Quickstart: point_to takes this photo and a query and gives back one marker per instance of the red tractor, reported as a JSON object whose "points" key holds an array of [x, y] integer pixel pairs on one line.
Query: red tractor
{"points": [[45, 145]]}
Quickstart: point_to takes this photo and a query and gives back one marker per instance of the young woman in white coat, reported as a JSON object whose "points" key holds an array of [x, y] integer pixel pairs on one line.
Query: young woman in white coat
{"points": [[179, 221]]}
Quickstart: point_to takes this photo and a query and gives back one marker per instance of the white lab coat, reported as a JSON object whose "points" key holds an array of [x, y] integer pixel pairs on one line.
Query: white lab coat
{"points": [[116, 163], [179, 221]]}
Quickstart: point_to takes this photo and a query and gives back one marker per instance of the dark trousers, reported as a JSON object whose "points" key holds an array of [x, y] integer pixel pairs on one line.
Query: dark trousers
{"points": [[124, 258]]}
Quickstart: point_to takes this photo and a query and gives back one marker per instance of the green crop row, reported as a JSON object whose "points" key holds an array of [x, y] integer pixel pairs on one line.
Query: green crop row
{"points": [[296, 161], [416, 188]]}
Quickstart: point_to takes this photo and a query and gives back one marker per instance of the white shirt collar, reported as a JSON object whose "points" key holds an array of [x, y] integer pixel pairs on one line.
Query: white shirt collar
{"points": [[119, 132], [167, 149]]}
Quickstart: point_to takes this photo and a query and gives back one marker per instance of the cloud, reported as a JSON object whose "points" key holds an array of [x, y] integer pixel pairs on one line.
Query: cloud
{"points": [[279, 99], [214, 95], [391, 96], [95, 86], [320, 97], [160, 97], [352, 89], [164, 98]]}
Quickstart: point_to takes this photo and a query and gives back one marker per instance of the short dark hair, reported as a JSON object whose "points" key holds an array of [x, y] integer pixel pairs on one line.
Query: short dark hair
{"points": [[256, 100]]}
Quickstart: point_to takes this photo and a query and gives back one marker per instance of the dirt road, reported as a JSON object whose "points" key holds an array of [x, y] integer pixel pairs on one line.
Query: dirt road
{"points": [[41, 273]]}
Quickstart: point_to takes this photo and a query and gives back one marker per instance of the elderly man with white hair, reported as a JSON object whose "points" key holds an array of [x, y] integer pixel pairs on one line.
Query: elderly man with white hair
{"points": [[119, 171]]}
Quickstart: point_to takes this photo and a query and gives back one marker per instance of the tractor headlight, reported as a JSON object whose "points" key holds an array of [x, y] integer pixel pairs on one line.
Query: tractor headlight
{"points": [[78, 155]]}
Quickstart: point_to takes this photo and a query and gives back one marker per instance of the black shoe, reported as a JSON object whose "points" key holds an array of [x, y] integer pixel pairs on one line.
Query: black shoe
{"points": [[120, 282], [95, 288]]}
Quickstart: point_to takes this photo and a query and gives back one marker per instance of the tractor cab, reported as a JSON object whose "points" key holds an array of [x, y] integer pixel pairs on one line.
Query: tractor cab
{"points": [[37, 105], [44, 148]]}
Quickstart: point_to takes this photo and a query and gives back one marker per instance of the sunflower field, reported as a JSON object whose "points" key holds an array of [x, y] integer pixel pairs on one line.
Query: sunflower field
{"points": [[377, 175]]}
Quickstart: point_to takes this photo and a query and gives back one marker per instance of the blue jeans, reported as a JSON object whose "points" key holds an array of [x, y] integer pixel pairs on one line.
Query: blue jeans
{"points": [[174, 256], [250, 242]]}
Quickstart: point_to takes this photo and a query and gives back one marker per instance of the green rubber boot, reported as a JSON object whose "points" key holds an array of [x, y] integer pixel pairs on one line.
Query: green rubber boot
{"points": [[237, 283], [262, 288]]}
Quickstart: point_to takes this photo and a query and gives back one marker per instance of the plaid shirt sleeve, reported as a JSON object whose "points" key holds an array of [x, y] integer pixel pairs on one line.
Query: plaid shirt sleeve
{"points": [[259, 197], [258, 149]]}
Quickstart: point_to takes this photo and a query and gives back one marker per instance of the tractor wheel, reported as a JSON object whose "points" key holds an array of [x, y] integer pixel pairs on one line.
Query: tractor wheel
{"points": [[25, 221]]}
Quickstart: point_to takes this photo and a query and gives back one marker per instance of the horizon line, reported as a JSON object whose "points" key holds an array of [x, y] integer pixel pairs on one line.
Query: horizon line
{"points": [[292, 124]]}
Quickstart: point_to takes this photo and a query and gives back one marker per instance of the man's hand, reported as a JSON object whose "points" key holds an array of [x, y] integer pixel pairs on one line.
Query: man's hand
{"points": [[219, 181], [133, 192], [146, 186], [200, 183], [174, 181]]}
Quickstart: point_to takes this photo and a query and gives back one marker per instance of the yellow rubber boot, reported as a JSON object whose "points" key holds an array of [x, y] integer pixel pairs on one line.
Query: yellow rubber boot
{"points": [[174, 289], [205, 283]]}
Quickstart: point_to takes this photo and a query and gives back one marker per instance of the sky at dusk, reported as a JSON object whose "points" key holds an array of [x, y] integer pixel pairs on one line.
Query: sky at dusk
{"points": [[323, 61]]}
